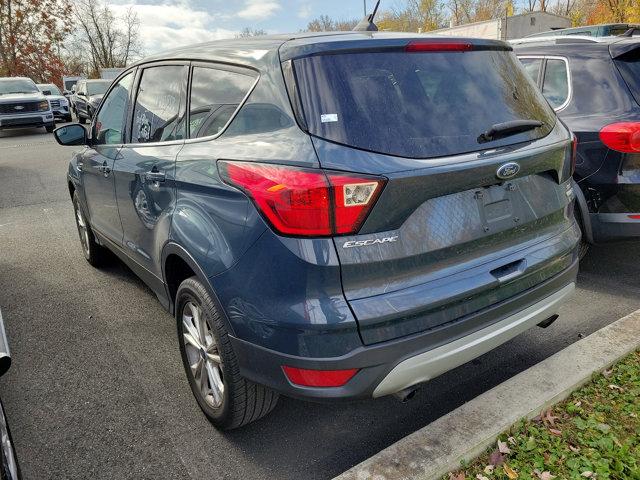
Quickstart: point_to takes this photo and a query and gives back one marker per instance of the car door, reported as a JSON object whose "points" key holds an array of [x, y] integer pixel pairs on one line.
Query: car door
{"points": [[98, 159], [144, 171]]}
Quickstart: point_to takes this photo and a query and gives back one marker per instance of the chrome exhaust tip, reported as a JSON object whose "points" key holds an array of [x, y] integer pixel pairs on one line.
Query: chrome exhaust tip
{"points": [[403, 396]]}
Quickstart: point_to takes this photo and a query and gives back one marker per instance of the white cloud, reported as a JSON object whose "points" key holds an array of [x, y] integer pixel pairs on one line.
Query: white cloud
{"points": [[258, 9], [304, 11], [167, 26]]}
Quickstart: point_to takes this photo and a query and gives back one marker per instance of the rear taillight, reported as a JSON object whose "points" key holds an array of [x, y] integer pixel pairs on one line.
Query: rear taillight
{"points": [[318, 378], [305, 202], [623, 136], [437, 46]]}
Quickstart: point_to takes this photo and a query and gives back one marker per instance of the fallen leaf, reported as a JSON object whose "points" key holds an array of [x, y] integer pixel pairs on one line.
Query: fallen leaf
{"points": [[481, 477], [616, 387], [546, 475], [502, 448], [577, 404], [556, 432], [587, 474], [509, 471], [496, 458], [511, 440], [456, 476], [550, 419], [489, 469], [574, 449]]}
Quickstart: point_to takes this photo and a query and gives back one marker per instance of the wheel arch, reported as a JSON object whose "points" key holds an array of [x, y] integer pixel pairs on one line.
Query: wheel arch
{"points": [[174, 260]]}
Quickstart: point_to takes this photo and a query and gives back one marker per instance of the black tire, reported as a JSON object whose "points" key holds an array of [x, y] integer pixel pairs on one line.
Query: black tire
{"points": [[242, 401], [584, 244], [68, 118], [95, 254], [81, 119], [50, 128]]}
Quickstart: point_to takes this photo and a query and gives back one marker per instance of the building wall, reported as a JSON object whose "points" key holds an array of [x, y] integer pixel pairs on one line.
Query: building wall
{"points": [[489, 29], [517, 26], [520, 26]]}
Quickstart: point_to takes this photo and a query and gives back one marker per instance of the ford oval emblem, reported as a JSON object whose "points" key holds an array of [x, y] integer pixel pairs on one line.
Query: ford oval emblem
{"points": [[508, 170], [18, 107]]}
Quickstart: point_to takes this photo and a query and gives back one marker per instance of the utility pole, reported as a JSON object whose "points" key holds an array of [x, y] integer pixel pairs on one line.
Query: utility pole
{"points": [[365, 7]]}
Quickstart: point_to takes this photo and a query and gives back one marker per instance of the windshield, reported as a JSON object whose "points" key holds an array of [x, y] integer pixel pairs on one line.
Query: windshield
{"points": [[17, 85], [50, 87], [418, 105], [97, 88]]}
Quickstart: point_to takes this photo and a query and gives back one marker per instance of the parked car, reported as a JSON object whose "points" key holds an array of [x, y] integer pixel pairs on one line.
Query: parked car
{"points": [[594, 85], [9, 466], [602, 30], [313, 231], [59, 103], [23, 105], [87, 97]]}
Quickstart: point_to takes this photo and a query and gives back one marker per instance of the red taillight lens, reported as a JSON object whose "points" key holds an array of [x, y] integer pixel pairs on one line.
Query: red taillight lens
{"points": [[437, 46], [634, 217], [318, 378], [305, 202], [623, 137]]}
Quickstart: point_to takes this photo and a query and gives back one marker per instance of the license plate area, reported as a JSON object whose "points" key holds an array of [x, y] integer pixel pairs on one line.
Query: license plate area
{"points": [[498, 206]]}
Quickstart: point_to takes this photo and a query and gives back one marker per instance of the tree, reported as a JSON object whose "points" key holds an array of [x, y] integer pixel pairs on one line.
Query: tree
{"points": [[324, 23], [250, 32], [417, 15], [30, 35], [104, 39], [468, 11]]}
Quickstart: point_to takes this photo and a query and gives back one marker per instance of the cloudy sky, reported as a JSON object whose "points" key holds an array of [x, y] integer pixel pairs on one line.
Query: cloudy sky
{"points": [[169, 23]]}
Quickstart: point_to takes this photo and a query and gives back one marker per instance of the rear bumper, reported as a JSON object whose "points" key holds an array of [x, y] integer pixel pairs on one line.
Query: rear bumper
{"points": [[608, 227], [391, 366]]}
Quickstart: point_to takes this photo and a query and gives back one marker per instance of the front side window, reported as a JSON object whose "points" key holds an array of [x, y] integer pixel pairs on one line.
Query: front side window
{"points": [[156, 116], [532, 67], [110, 120], [215, 96], [556, 82]]}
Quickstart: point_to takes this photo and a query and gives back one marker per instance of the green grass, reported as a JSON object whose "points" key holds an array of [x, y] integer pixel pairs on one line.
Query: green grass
{"points": [[595, 433]]}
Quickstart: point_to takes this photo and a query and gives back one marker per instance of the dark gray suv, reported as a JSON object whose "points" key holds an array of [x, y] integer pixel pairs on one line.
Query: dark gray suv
{"points": [[331, 216]]}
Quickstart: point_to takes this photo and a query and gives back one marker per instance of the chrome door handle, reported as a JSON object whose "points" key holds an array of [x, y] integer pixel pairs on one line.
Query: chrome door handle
{"points": [[155, 176]]}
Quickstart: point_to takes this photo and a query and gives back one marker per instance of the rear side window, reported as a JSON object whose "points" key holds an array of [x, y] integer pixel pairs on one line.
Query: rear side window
{"points": [[629, 66], [418, 105], [555, 87], [532, 67], [156, 117], [215, 96]]}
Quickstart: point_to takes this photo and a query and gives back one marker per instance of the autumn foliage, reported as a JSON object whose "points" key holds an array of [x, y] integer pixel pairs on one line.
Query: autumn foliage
{"points": [[31, 33]]}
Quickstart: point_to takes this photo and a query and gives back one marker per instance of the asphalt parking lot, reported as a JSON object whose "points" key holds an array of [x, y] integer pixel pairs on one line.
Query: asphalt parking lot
{"points": [[97, 389]]}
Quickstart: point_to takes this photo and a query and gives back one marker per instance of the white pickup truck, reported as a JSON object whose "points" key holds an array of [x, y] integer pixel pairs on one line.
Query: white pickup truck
{"points": [[23, 105]]}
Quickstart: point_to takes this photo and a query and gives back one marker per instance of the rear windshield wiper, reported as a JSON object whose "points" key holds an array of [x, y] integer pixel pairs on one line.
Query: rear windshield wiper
{"points": [[501, 130]]}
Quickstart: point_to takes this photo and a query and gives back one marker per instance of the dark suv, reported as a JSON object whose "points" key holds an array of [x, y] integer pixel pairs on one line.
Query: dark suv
{"points": [[331, 216], [594, 85]]}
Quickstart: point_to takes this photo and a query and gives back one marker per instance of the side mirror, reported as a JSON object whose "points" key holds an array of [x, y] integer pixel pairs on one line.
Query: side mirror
{"points": [[46, 92], [73, 134]]}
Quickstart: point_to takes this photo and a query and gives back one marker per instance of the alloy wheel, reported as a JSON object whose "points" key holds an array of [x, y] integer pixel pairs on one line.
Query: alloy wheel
{"points": [[203, 355]]}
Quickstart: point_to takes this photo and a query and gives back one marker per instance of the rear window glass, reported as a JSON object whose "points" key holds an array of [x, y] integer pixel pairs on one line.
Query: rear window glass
{"points": [[418, 105], [629, 66]]}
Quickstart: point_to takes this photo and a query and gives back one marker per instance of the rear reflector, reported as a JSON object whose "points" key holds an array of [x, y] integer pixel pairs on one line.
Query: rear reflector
{"points": [[436, 46], [318, 378], [623, 137], [302, 201], [574, 152]]}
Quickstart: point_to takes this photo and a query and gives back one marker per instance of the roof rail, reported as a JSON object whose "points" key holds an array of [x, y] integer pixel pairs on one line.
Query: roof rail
{"points": [[557, 39]]}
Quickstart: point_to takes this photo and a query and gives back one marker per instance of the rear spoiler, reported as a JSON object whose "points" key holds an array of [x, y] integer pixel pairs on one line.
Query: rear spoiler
{"points": [[625, 47]]}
